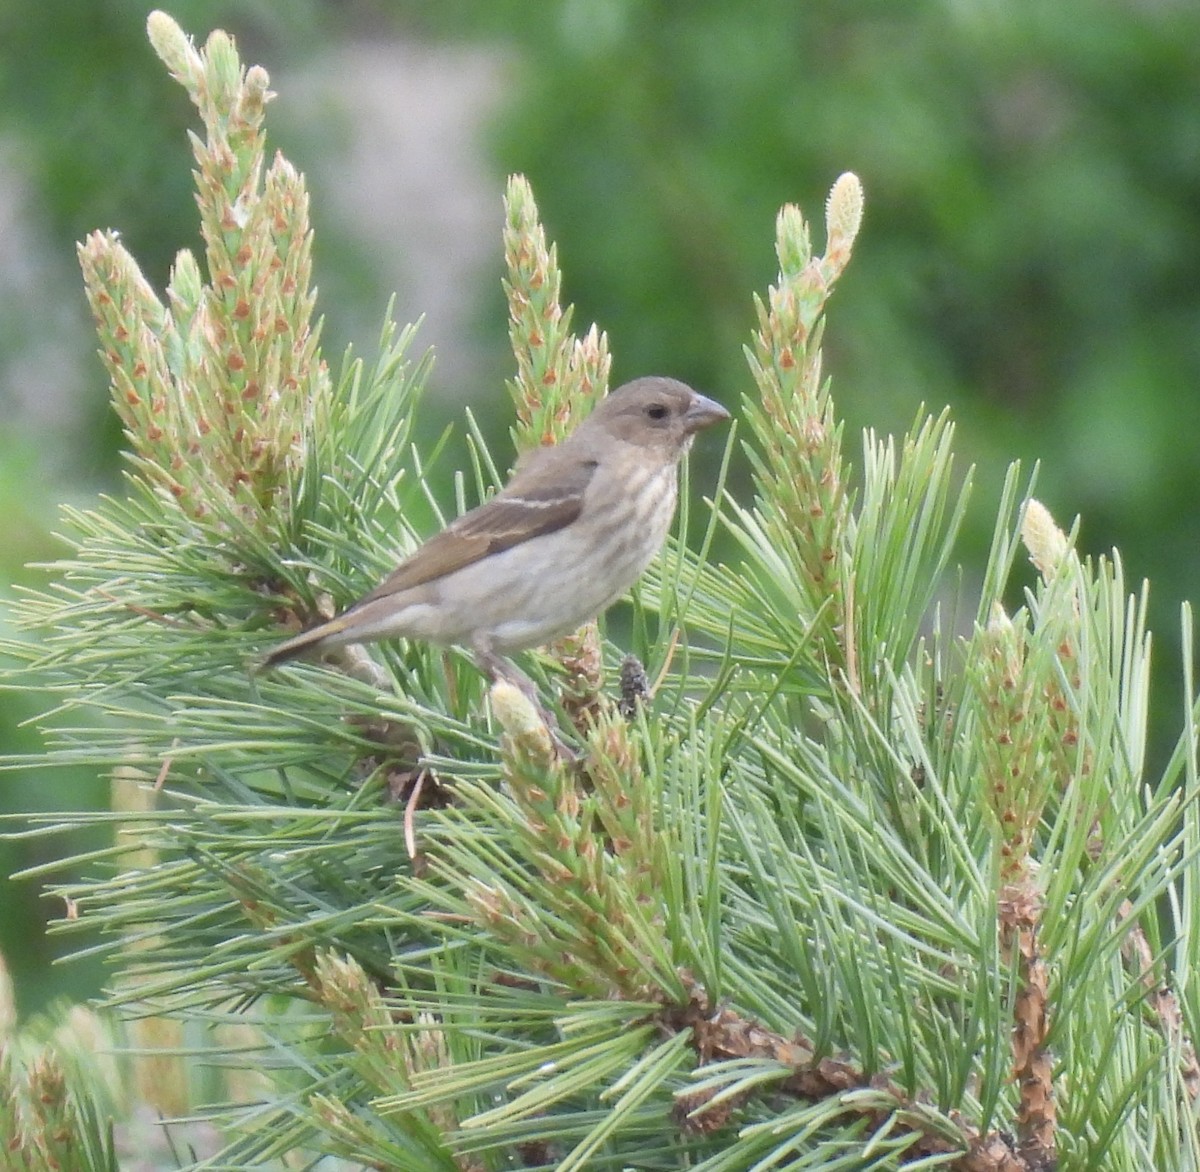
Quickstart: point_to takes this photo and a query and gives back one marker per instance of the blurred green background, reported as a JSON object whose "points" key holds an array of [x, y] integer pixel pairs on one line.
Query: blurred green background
{"points": [[1030, 255]]}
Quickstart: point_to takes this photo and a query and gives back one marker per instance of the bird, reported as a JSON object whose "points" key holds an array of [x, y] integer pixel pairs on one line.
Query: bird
{"points": [[575, 526]]}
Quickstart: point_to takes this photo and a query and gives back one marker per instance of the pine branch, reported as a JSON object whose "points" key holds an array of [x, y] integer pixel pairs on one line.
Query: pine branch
{"points": [[831, 884]]}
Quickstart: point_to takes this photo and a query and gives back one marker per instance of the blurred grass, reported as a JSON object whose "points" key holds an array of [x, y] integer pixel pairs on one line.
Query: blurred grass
{"points": [[26, 519]]}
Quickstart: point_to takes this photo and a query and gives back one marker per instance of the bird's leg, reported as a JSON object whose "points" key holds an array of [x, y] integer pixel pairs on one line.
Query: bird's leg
{"points": [[497, 667]]}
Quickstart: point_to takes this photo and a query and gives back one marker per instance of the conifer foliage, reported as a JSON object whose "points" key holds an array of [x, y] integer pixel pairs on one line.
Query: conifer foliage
{"points": [[853, 866]]}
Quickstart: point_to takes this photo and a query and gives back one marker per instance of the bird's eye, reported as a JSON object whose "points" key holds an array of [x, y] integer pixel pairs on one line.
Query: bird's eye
{"points": [[657, 411]]}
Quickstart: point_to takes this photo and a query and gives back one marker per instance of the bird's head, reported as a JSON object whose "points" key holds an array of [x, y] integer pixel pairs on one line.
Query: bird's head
{"points": [[660, 414]]}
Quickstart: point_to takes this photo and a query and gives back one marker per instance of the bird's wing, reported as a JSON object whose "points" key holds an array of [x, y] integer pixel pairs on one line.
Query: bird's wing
{"points": [[546, 494]]}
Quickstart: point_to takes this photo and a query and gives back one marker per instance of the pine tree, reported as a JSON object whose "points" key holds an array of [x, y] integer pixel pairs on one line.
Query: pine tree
{"points": [[857, 866]]}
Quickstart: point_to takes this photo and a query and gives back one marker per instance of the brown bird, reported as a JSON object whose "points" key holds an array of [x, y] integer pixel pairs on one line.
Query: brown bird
{"points": [[567, 536]]}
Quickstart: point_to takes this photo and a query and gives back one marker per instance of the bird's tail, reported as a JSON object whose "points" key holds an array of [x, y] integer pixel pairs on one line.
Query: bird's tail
{"points": [[307, 641]]}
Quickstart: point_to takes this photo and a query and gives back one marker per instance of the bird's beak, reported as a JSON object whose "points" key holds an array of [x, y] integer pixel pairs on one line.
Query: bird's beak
{"points": [[703, 413]]}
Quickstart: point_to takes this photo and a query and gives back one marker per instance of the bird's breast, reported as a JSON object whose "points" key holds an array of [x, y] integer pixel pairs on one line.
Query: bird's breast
{"points": [[550, 585], [630, 510]]}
